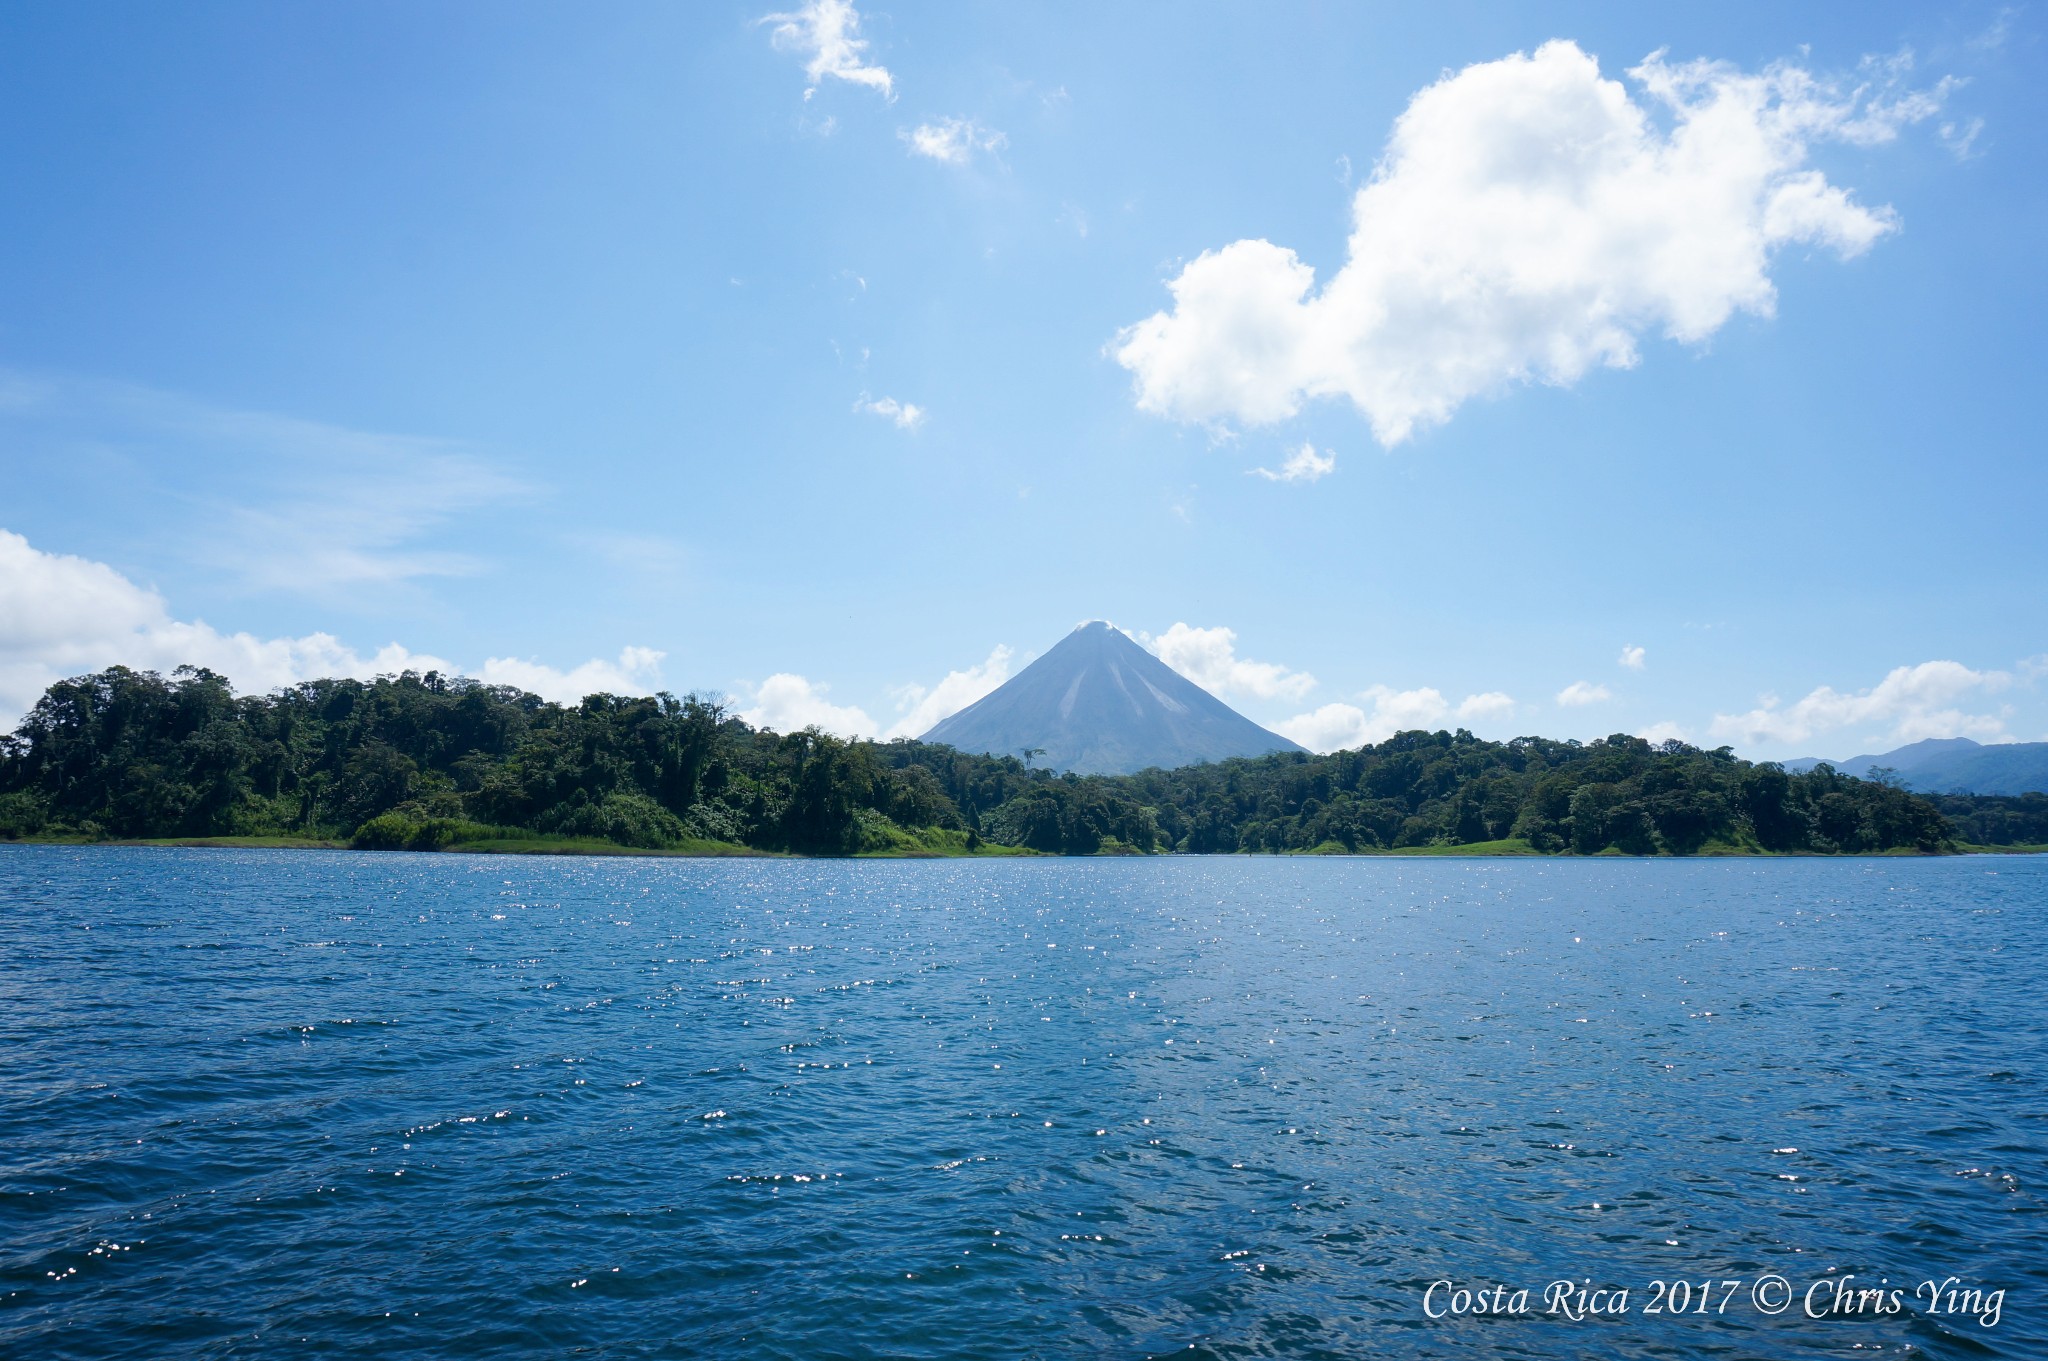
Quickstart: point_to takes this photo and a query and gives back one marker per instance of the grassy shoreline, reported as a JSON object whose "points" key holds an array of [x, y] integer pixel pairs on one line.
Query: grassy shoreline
{"points": [[941, 845], [935, 847]]}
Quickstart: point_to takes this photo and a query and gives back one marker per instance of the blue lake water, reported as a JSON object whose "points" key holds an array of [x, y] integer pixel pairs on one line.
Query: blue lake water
{"points": [[340, 1104]]}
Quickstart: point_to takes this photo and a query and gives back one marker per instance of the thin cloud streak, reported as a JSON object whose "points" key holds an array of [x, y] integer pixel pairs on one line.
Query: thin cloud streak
{"points": [[319, 510]]}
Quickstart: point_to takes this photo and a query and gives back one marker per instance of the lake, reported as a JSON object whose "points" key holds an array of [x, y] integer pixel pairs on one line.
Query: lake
{"points": [[346, 1104]]}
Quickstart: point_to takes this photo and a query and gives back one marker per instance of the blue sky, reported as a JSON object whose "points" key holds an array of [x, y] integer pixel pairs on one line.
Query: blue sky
{"points": [[843, 360]]}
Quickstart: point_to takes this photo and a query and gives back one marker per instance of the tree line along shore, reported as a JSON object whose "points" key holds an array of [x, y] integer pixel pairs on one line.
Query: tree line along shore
{"points": [[427, 762]]}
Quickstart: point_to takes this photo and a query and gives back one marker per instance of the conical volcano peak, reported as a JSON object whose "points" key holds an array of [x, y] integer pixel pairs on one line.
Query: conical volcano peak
{"points": [[1100, 704], [1099, 632]]}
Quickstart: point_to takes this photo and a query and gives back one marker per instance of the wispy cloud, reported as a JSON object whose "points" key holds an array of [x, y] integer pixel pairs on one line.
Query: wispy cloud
{"points": [[1303, 465], [1961, 137], [643, 558], [905, 415], [288, 505], [1632, 657], [1994, 35], [826, 34], [952, 141], [362, 530]]}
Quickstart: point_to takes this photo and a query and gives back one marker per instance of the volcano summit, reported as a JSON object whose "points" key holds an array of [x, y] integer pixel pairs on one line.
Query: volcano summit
{"points": [[1099, 704]]}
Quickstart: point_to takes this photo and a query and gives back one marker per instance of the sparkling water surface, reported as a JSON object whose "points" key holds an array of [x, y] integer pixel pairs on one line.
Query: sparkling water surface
{"points": [[260, 1103]]}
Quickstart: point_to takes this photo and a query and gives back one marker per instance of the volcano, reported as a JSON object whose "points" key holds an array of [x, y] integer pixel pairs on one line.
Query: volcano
{"points": [[1099, 704]]}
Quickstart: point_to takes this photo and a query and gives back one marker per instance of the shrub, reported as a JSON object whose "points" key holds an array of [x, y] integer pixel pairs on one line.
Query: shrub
{"points": [[22, 815], [628, 819], [406, 830]]}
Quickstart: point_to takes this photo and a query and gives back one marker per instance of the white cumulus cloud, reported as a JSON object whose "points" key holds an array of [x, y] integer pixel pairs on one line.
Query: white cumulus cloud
{"points": [[952, 141], [1632, 657], [1303, 465], [786, 703], [906, 415], [636, 672], [1659, 733], [1208, 657], [62, 616], [1492, 704], [1340, 726], [923, 707], [1910, 703], [1581, 693], [826, 34], [1529, 220]]}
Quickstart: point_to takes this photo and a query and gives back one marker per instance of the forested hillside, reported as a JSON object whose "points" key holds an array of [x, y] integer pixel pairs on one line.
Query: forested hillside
{"points": [[1997, 819], [425, 762]]}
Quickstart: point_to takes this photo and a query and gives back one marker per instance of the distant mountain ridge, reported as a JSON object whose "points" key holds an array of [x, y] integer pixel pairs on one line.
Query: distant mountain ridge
{"points": [[1953, 765], [1099, 704]]}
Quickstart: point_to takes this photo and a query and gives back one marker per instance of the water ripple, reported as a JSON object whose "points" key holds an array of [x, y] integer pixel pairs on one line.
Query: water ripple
{"points": [[371, 1105]]}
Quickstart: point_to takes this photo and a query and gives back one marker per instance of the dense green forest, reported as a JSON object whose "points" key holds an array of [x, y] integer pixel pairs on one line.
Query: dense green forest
{"points": [[1996, 819], [428, 762]]}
